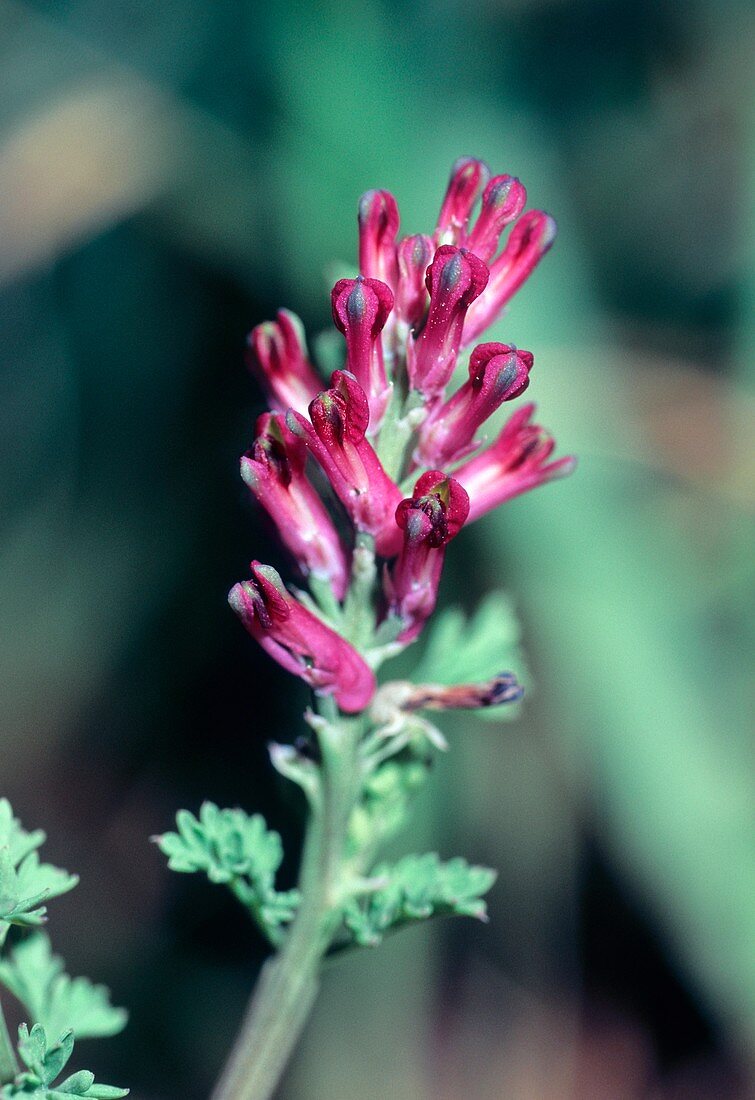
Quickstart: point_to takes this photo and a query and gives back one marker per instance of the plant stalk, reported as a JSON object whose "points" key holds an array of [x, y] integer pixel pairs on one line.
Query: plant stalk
{"points": [[288, 985], [8, 1063]]}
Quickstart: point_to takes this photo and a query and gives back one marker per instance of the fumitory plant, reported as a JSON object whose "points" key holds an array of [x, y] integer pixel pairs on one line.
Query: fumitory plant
{"points": [[367, 482]]}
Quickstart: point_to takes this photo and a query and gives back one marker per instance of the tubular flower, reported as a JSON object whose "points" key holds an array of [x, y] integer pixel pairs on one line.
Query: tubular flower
{"points": [[414, 257], [274, 470], [277, 355], [497, 373], [502, 202], [468, 177], [430, 518], [454, 279], [299, 641], [378, 220], [516, 462], [336, 437], [360, 309], [528, 242]]}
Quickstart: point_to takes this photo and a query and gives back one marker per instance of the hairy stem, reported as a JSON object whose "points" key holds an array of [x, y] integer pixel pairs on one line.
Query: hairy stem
{"points": [[8, 1063], [288, 985]]}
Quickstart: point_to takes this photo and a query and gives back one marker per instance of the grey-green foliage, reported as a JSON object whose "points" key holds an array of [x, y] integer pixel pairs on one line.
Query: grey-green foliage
{"points": [[25, 882], [45, 1062], [465, 649], [418, 887], [52, 998], [233, 848]]}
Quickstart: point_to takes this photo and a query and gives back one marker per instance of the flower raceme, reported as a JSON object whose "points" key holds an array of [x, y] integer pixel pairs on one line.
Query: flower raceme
{"points": [[406, 318]]}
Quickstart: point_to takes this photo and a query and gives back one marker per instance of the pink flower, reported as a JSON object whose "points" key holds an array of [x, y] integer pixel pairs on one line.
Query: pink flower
{"points": [[454, 279], [274, 470], [299, 641], [528, 242], [497, 373], [502, 202], [516, 462], [414, 256], [430, 518], [336, 438], [468, 177], [378, 225], [277, 355], [360, 309]]}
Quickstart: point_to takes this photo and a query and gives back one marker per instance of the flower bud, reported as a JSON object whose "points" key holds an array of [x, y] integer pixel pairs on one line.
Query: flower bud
{"points": [[502, 202], [430, 518], [454, 279], [468, 177], [361, 308], [414, 257], [497, 373], [277, 355], [378, 225], [528, 242]]}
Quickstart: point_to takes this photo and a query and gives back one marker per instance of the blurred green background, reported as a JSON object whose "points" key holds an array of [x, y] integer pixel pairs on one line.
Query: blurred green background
{"points": [[173, 172]]}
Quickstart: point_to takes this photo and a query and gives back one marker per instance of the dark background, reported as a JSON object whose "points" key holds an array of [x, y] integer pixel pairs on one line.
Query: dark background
{"points": [[171, 174]]}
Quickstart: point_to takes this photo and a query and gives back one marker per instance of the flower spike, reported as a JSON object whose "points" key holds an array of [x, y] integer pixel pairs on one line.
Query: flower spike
{"points": [[454, 279], [528, 242], [301, 642], [336, 437], [378, 225], [430, 518], [277, 355], [468, 177], [502, 202], [274, 470], [497, 373], [516, 462], [361, 308]]}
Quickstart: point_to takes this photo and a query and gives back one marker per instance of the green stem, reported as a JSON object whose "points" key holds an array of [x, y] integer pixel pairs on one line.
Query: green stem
{"points": [[288, 985], [8, 1063]]}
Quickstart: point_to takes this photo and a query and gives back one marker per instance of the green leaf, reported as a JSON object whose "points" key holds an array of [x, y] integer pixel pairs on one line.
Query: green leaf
{"points": [[25, 887], [235, 849], [462, 649], [25, 882], [55, 1000], [44, 1063], [418, 887], [14, 837], [82, 1084]]}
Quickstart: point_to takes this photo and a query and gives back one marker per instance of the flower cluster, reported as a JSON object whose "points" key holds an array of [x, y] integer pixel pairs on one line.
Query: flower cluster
{"points": [[385, 462]]}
